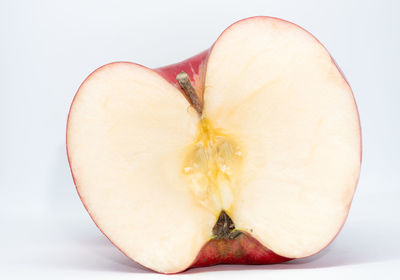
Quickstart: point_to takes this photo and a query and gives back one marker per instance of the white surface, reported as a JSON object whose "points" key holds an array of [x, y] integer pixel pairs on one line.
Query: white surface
{"points": [[47, 48]]}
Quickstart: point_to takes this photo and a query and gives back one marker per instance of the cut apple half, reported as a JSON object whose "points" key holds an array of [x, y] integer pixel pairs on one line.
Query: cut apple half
{"points": [[254, 158]]}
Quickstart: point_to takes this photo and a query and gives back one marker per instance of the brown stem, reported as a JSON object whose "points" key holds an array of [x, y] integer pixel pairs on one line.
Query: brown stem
{"points": [[186, 85]]}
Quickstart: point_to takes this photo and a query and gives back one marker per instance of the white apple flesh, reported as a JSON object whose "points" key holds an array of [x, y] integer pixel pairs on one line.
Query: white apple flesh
{"points": [[276, 147]]}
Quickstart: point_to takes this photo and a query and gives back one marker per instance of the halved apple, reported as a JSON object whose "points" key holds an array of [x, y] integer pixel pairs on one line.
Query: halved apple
{"points": [[247, 153]]}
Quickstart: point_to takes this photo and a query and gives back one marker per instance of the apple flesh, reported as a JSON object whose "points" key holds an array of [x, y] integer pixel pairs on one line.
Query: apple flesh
{"points": [[262, 171]]}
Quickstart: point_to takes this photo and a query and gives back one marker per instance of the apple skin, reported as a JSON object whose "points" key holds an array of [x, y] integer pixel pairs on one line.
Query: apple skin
{"points": [[195, 68], [244, 249]]}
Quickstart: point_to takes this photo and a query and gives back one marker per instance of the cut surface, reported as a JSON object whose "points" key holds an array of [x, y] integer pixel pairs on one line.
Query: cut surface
{"points": [[274, 89], [127, 133], [276, 152]]}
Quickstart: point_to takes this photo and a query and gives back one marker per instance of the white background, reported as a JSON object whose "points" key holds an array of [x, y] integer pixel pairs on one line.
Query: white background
{"points": [[47, 48]]}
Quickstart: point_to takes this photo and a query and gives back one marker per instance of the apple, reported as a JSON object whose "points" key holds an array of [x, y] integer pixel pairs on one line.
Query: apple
{"points": [[247, 153]]}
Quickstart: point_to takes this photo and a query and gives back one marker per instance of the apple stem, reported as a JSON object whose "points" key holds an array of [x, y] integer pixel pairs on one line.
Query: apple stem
{"points": [[186, 85]]}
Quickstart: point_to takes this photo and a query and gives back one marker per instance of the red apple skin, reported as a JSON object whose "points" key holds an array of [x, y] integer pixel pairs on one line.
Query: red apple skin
{"points": [[195, 67], [244, 249]]}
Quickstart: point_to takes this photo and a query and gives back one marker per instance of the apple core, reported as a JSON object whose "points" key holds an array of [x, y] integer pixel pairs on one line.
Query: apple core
{"points": [[211, 166]]}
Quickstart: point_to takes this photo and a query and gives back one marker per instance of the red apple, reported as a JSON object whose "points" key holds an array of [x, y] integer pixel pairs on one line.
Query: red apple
{"points": [[246, 153]]}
